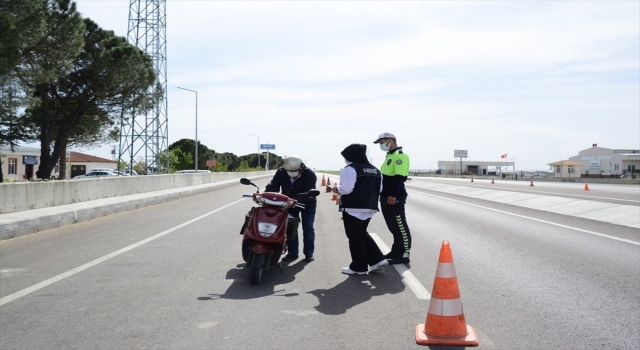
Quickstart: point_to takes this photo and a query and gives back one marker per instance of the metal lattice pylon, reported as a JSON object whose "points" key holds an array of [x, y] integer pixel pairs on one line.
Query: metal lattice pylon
{"points": [[143, 137]]}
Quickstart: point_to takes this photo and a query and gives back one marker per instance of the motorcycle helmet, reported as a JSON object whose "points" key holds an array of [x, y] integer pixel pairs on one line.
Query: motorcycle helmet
{"points": [[292, 163]]}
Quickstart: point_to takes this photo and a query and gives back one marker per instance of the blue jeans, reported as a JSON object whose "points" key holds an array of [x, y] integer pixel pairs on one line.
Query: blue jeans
{"points": [[308, 234]]}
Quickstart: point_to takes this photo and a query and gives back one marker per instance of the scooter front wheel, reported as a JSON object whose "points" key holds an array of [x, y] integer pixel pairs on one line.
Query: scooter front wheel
{"points": [[256, 268]]}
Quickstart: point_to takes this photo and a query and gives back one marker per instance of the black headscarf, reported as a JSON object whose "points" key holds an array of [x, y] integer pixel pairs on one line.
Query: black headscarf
{"points": [[355, 152]]}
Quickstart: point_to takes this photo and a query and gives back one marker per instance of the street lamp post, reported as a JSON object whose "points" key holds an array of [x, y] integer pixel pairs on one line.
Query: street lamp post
{"points": [[258, 148], [196, 159]]}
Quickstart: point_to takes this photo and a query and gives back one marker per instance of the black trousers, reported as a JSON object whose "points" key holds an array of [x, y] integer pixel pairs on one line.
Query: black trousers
{"points": [[364, 250], [397, 224]]}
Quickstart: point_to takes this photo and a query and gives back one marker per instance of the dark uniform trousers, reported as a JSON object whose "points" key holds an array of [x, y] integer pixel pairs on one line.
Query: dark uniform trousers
{"points": [[397, 223], [364, 250]]}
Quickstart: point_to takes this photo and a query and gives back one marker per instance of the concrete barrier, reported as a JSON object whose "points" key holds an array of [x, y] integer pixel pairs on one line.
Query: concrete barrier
{"points": [[21, 196]]}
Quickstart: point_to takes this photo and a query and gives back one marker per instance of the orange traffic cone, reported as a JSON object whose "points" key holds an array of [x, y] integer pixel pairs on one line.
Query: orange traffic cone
{"points": [[324, 182], [334, 197], [492, 181], [328, 181], [445, 324], [586, 186], [532, 184]]}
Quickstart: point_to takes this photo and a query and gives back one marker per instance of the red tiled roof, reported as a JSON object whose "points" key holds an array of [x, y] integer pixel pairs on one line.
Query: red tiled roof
{"points": [[78, 157]]}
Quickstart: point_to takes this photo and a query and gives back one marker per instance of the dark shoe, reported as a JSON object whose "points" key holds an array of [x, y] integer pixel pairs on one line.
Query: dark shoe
{"points": [[309, 258], [395, 261], [290, 257]]}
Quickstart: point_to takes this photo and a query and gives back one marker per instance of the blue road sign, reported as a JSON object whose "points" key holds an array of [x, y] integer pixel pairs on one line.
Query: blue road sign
{"points": [[267, 146]]}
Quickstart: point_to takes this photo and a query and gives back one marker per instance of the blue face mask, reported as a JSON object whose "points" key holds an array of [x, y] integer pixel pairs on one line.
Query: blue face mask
{"points": [[384, 147]]}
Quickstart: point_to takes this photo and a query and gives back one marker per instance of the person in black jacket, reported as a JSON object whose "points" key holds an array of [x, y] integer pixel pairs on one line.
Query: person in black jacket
{"points": [[360, 185], [292, 179]]}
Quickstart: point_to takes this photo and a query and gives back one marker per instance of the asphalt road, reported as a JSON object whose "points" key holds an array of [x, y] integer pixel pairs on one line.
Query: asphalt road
{"points": [[171, 276]]}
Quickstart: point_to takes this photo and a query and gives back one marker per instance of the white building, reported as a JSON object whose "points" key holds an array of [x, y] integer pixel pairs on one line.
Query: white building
{"points": [[474, 167], [81, 163], [566, 168], [605, 161], [22, 163]]}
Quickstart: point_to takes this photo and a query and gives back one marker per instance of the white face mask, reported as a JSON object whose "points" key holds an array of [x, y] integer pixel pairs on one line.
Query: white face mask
{"points": [[384, 147], [292, 173]]}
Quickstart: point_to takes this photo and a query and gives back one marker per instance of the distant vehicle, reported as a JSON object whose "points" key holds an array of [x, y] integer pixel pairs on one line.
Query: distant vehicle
{"points": [[124, 172], [96, 174], [101, 169], [192, 171], [120, 172], [151, 170]]}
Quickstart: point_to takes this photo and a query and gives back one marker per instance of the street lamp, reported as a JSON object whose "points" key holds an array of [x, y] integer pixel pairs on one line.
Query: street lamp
{"points": [[196, 160], [258, 148]]}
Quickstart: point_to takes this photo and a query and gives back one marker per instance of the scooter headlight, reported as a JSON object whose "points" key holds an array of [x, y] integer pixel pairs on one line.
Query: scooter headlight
{"points": [[266, 229]]}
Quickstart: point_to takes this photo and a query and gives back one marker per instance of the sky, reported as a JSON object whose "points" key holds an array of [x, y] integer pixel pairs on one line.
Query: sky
{"points": [[536, 80]]}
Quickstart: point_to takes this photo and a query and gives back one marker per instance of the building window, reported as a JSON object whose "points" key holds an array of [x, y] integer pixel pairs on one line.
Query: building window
{"points": [[616, 167], [13, 166], [558, 169], [570, 169]]}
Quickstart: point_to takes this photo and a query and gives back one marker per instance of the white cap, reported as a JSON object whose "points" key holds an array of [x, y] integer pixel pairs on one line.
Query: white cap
{"points": [[385, 135]]}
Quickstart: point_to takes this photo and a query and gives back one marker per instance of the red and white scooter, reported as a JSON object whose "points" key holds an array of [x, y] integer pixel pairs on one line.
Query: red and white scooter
{"points": [[266, 227]]}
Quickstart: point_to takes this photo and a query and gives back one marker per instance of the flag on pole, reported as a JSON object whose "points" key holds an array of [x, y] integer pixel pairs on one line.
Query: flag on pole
{"points": [[503, 156]]}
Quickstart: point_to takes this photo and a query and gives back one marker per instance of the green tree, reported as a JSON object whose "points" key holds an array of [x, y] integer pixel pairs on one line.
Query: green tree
{"points": [[244, 166], [109, 78], [188, 146], [219, 168], [227, 160], [39, 39], [184, 159], [173, 159]]}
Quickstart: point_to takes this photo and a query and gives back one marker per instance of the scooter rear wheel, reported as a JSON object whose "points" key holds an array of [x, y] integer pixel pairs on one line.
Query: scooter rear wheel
{"points": [[256, 268]]}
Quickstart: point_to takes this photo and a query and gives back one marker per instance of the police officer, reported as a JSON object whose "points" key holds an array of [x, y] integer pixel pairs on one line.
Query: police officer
{"points": [[360, 189], [393, 197], [295, 178]]}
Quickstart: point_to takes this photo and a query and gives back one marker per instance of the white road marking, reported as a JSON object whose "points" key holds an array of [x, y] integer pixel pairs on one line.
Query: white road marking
{"points": [[534, 219], [519, 190], [60, 277], [407, 277]]}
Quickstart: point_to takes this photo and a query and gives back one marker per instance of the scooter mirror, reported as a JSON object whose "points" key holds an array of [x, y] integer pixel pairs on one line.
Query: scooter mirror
{"points": [[314, 193], [245, 181]]}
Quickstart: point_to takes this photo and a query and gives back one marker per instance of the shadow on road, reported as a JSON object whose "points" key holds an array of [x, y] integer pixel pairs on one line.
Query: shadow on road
{"points": [[241, 288], [356, 290]]}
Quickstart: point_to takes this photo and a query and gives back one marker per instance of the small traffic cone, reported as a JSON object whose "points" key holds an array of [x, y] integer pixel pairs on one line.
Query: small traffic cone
{"points": [[328, 181], [532, 184], [586, 186], [445, 324], [334, 197], [492, 181], [324, 182]]}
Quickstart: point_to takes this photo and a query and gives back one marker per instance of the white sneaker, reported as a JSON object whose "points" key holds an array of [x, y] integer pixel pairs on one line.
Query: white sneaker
{"points": [[348, 271], [378, 266]]}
